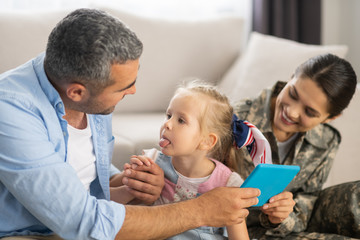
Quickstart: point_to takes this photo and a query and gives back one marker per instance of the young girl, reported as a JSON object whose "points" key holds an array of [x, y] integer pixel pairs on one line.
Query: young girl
{"points": [[197, 151]]}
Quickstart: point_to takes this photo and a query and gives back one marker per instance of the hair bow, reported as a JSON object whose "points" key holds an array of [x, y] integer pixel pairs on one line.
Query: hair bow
{"points": [[246, 134]]}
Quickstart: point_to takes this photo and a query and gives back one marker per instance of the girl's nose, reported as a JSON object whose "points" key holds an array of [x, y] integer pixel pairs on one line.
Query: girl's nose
{"points": [[167, 123]]}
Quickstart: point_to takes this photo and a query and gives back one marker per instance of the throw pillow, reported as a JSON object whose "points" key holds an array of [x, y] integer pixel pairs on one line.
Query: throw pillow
{"points": [[268, 59]]}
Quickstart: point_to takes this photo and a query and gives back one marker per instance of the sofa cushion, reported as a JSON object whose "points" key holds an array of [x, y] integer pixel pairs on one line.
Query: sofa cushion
{"points": [[140, 130], [268, 59], [175, 50], [24, 35], [123, 149]]}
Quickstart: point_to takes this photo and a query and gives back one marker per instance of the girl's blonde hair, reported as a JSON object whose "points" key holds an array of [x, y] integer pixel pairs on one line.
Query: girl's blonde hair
{"points": [[216, 117]]}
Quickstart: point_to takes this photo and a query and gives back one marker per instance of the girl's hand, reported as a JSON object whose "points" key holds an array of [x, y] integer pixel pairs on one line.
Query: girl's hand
{"points": [[138, 160], [279, 207]]}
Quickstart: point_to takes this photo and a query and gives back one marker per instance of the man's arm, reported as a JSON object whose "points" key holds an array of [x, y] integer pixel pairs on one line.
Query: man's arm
{"points": [[218, 207]]}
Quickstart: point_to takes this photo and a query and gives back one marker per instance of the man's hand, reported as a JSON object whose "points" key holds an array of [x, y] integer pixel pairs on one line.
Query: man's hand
{"points": [[279, 207], [227, 205], [145, 179]]}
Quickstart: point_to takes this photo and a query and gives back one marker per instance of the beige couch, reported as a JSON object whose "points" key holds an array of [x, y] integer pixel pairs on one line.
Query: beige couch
{"points": [[176, 50]]}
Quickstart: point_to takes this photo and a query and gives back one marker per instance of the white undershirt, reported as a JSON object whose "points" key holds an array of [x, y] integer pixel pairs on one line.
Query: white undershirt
{"points": [[81, 154], [284, 147]]}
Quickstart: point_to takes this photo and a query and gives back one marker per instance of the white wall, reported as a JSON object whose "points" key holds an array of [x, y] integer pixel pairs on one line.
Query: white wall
{"points": [[341, 25]]}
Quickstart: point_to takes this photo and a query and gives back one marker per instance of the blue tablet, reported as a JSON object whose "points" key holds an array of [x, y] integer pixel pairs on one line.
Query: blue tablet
{"points": [[271, 179]]}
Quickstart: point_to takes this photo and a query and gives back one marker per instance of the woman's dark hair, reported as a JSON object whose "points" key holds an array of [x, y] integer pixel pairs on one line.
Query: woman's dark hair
{"points": [[335, 76]]}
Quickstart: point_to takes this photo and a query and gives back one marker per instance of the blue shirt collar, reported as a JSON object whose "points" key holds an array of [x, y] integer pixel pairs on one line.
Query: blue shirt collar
{"points": [[45, 84]]}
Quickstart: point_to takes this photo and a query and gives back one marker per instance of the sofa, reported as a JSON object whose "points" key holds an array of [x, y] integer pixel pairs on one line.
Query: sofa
{"points": [[217, 50]]}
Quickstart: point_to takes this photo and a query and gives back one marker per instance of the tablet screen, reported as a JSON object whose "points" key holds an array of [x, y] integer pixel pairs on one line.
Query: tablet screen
{"points": [[271, 179]]}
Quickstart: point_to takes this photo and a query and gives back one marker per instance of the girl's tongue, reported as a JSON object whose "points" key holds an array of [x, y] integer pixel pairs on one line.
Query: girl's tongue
{"points": [[164, 142]]}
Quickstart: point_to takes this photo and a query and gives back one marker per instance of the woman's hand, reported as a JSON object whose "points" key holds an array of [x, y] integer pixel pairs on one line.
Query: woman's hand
{"points": [[279, 207]]}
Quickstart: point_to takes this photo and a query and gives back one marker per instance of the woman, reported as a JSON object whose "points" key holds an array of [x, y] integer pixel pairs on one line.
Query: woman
{"points": [[294, 118]]}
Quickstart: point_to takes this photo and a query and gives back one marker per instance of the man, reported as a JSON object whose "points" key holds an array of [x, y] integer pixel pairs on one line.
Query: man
{"points": [[56, 144]]}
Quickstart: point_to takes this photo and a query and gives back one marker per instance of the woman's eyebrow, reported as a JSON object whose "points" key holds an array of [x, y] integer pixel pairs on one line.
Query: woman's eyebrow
{"points": [[314, 111], [295, 91]]}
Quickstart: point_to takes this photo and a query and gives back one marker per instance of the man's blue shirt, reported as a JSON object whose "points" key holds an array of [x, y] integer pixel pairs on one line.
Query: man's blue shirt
{"points": [[40, 192]]}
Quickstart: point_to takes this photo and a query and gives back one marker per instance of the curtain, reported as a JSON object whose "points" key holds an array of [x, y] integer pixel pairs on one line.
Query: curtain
{"points": [[298, 20]]}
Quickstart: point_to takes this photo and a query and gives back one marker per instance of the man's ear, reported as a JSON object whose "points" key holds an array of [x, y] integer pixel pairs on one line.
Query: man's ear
{"points": [[76, 92], [208, 142], [331, 119]]}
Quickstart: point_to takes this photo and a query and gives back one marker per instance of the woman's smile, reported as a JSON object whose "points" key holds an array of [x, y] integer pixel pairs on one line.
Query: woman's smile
{"points": [[285, 119]]}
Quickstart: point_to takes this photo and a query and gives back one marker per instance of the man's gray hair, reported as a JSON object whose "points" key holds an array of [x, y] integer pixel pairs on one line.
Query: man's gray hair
{"points": [[83, 46]]}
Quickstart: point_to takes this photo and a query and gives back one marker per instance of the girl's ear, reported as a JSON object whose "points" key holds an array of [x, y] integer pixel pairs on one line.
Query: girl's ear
{"points": [[331, 119], [76, 92], [208, 142]]}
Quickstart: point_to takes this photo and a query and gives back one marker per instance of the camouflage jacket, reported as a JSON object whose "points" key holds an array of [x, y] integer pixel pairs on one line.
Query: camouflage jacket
{"points": [[313, 151]]}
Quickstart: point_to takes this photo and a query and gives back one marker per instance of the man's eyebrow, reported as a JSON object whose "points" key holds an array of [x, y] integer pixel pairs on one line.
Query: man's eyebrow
{"points": [[128, 86], [131, 84]]}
